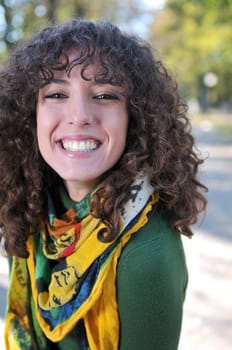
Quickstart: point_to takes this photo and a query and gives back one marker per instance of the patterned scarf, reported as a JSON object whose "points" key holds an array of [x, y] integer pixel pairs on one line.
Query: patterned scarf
{"points": [[68, 281]]}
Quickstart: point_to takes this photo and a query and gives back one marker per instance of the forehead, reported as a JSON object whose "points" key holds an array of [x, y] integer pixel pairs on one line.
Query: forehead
{"points": [[88, 73], [88, 65], [92, 66]]}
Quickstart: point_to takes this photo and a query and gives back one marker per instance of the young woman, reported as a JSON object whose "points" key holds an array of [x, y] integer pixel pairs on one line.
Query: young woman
{"points": [[98, 181]]}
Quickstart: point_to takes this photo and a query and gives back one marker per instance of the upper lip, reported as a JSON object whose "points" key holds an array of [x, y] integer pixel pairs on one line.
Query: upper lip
{"points": [[79, 138]]}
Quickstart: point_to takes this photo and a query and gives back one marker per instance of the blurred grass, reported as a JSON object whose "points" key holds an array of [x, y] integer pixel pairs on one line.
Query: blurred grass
{"points": [[226, 129], [219, 120]]}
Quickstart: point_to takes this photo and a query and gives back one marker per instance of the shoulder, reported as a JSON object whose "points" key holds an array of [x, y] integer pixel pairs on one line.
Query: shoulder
{"points": [[156, 246]]}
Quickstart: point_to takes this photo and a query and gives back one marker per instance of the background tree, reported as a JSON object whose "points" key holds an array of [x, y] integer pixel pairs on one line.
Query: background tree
{"points": [[20, 18], [195, 38]]}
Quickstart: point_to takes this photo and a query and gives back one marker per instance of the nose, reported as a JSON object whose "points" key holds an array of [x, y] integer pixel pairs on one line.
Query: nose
{"points": [[79, 112]]}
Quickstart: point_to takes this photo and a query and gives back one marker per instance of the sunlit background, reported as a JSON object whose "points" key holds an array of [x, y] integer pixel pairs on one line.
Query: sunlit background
{"points": [[194, 39]]}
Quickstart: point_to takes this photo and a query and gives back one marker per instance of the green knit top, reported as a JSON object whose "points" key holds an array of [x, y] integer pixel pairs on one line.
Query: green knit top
{"points": [[151, 284]]}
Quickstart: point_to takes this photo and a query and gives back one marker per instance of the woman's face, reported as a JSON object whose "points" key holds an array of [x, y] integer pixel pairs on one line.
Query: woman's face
{"points": [[81, 128]]}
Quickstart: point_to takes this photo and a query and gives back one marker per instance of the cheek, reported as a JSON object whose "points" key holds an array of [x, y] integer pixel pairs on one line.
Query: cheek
{"points": [[45, 122], [120, 122], [40, 119], [41, 132], [123, 126], [120, 132], [44, 130]]}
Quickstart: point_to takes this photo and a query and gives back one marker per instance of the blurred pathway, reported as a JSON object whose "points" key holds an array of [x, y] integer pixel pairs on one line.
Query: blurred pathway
{"points": [[207, 321], [3, 291]]}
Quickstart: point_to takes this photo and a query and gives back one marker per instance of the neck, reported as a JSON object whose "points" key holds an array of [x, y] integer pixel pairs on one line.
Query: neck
{"points": [[76, 192]]}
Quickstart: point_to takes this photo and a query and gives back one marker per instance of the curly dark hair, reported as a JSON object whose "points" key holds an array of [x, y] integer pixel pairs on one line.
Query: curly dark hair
{"points": [[159, 137]]}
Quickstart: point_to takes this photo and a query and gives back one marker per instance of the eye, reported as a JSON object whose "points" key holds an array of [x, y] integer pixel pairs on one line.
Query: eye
{"points": [[56, 95], [106, 96]]}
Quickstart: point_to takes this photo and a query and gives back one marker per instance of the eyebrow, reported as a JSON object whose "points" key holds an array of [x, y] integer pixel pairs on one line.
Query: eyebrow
{"points": [[56, 81], [66, 82]]}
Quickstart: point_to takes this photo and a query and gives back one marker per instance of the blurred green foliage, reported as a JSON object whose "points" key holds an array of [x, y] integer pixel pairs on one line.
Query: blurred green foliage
{"points": [[20, 18], [195, 39]]}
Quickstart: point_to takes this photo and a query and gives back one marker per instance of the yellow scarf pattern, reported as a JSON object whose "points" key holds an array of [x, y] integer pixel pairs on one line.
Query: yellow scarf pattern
{"points": [[52, 309]]}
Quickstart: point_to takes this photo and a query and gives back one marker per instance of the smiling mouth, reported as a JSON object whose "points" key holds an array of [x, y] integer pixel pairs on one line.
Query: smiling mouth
{"points": [[79, 146]]}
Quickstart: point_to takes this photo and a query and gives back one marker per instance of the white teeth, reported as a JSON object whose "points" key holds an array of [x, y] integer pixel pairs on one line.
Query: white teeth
{"points": [[81, 146]]}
